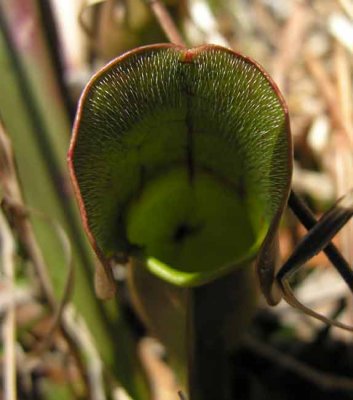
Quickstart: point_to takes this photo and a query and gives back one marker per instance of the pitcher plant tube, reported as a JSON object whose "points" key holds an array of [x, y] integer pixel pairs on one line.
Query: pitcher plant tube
{"points": [[181, 161]]}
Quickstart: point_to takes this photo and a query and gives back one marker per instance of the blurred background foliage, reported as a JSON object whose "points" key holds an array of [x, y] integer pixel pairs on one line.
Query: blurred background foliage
{"points": [[48, 51]]}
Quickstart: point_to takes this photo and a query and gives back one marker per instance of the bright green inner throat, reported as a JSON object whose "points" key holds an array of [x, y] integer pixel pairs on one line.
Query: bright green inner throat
{"points": [[192, 226]]}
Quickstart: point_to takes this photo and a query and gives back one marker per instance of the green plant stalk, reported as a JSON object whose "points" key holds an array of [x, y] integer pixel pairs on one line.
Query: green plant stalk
{"points": [[199, 326], [39, 129], [215, 328]]}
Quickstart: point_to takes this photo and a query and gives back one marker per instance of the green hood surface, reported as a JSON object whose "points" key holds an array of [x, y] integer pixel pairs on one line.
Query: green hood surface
{"points": [[181, 158]]}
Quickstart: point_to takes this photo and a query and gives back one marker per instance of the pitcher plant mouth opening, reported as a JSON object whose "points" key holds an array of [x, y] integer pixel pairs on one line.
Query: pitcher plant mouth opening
{"points": [[189, 232], [182, 158]]}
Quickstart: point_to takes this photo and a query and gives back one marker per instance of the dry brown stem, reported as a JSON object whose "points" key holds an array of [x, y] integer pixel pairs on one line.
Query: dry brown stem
{"points": [[166, 22], [290, 43], [328, 91], [7, 254]]}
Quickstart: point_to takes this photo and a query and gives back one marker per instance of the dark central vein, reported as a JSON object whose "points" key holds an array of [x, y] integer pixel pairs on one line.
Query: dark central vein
{"points": [[187, 91], [189, 141]]}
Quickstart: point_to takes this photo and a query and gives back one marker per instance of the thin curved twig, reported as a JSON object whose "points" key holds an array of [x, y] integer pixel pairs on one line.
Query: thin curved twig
{"points": [[13, 202], [181, 395], [81, 19], [320, 379], [57, 318]]}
